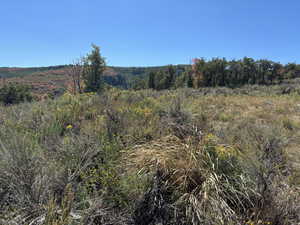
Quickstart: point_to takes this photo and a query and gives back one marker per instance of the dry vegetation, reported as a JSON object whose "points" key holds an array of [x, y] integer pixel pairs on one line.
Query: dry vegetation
{"points": [[208, 156]]}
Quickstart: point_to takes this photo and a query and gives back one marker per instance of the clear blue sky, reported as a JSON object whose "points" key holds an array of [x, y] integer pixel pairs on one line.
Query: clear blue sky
{"points": [[147, 32]]}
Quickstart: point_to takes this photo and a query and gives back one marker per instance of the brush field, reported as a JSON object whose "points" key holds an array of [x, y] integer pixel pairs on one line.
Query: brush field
{"points": [[207, 156]]}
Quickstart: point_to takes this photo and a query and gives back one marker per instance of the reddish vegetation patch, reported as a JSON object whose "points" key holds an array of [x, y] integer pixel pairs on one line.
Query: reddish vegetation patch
{"points": [[45, 82], [12, 69], [42, 83], [58, 72]]}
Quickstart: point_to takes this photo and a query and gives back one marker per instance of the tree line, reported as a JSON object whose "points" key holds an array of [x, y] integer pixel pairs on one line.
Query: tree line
{"points": [[221, 72]]}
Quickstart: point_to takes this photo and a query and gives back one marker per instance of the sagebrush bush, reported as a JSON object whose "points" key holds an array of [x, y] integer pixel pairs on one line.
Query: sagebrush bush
{"points": [[208, 156]]}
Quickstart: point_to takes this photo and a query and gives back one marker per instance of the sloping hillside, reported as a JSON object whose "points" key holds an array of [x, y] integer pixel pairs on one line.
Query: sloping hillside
{"points": [[54, 79], [7, 72]]}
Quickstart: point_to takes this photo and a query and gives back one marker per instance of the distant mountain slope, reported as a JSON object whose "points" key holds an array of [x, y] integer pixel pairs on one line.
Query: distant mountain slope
{"points": [[53, 79], [128, 72], [7, 72]]}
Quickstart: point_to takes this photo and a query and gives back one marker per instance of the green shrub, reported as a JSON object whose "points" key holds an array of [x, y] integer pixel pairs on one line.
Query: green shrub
{"points": [[15, 93]]}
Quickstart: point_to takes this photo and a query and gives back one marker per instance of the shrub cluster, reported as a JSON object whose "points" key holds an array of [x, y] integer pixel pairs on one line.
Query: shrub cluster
{"points": [[15, 93]]}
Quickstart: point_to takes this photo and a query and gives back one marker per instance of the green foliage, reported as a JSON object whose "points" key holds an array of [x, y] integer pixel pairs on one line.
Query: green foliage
{"points": [[162, 79], [170, 77], [151, 80], [220, 72], [93, 68], [189, 80], [15, 93], [139, 84]]}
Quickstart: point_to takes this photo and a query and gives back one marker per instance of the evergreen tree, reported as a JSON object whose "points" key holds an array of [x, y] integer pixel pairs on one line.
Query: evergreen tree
{"points": [[160, 80], [151, 80], [139, 84], [199, 69], [290, 70], [276, 72], [93, 68], [189, 80], [170, 77]]}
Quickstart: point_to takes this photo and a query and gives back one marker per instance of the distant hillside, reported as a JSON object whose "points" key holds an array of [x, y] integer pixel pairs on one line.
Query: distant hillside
{"points": [[7, 72], [53, 79]]}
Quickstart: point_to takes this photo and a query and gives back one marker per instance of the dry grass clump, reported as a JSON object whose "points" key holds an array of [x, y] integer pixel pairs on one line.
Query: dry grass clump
{"points": [[203, 180], [168, 152]]}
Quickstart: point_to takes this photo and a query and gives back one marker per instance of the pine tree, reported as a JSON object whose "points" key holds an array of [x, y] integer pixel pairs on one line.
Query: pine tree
{"points": [[170, 77], [94, 66], [160, 80], [151, 80], [189, 79]]}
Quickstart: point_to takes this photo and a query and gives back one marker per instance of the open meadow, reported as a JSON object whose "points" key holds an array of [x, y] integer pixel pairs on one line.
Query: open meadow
{"points": [[185, 156]]}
